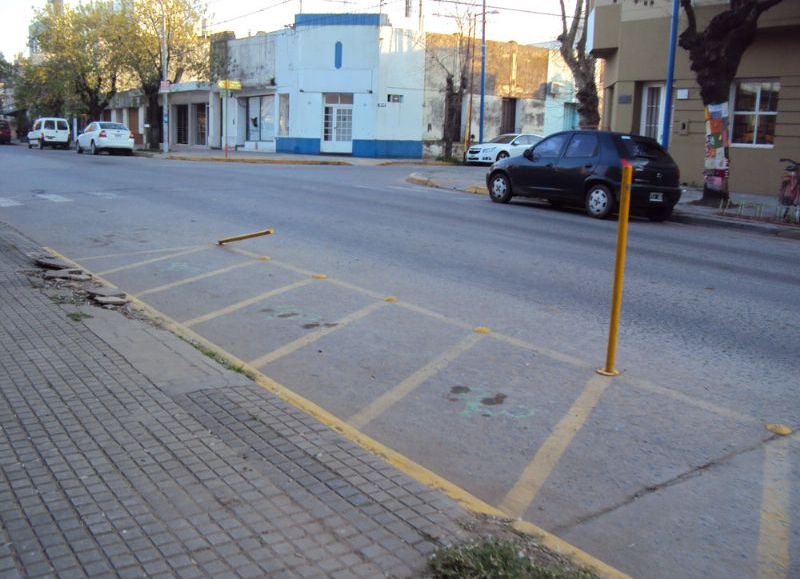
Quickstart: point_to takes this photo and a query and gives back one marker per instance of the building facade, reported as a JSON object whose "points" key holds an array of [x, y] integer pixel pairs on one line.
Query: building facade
{"points": [[764, 106], [352, 84]]}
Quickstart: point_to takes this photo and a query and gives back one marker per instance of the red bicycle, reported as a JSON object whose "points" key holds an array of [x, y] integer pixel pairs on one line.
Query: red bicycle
{"points": [[789, 198]]}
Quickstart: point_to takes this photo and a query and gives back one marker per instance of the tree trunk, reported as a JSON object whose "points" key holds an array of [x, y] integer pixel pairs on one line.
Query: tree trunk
{"points": [[153, 118], [452, 117], [588, 104], [717, 162]]}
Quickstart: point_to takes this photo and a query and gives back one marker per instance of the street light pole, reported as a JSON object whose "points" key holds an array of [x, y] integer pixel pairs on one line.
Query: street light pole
{"points": [[165, 94], [483, 73], [673, 37]]}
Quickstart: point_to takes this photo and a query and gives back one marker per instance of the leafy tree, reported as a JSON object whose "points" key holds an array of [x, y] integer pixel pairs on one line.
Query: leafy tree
{"points": [[184, 52], [40, 91], [715, 54], [5, 75], [5, 69], [581, 63], [77, 45]]}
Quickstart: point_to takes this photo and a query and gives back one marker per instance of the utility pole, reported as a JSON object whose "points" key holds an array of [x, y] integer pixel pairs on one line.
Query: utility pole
{"points": [[471, 52], [673, 37], [165, 94], [483, 73]]}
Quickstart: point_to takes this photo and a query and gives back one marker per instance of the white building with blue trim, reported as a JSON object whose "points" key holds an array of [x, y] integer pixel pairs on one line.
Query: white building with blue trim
{"points": [[349, 84]]}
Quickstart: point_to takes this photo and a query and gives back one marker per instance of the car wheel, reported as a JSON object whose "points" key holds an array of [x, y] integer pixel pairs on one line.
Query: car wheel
{"points": [[599, 201], [659, 214], [502, 155], [500, 188], [30, 145], [93, 148]]}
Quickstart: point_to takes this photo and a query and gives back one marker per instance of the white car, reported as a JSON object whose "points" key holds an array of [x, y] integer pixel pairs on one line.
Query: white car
{"points": [[49, 131], [105, 136], [508, 145]]}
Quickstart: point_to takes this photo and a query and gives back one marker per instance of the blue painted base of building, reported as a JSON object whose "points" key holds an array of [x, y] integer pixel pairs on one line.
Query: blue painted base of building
{"points": [[297, 146], [361, 148], [387, 149]]}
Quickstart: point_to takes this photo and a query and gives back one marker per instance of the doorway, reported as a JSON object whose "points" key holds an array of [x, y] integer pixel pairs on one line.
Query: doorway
{"points": [[508, 122], [182, 124], [337, 123], [652, 120]]}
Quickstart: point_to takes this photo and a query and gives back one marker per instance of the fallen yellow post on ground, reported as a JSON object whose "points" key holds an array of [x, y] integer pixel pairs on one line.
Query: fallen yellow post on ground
{"points": [[244, 236]]}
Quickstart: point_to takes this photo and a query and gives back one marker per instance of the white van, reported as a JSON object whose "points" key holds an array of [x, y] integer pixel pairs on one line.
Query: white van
{"points": [[49, 131]]}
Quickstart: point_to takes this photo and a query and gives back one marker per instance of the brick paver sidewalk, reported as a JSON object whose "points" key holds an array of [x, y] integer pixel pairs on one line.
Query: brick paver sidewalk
{"points": [[125, 452]]}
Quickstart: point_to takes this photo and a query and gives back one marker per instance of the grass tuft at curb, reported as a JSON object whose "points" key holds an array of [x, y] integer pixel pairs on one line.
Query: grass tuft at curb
{"points": [[501, 558]]}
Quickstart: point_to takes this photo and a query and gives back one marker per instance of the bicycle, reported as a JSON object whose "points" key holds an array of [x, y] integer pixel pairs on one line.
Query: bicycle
{"points": [[789, 196]]}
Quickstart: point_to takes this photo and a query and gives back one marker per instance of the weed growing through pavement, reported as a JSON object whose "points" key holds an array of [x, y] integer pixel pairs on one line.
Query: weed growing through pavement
{"points": [[78, 316], [218, 358], [497, 558]]}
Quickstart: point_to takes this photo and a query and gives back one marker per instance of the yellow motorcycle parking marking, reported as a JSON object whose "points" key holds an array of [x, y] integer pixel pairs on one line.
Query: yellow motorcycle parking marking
{"points": [[399, 461], [316, 335], [154, 260], [773, 536], [521, 496], [381, 404], [245, 303]]}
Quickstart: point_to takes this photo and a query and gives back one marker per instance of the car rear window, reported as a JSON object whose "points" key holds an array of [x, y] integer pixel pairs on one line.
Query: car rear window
{"points": [[632, 147], [117, 126], [51, 125], [503, 139], [62, 126]]}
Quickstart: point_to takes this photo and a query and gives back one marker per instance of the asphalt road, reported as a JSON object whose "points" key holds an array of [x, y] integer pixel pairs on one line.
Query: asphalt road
{"points": [[665, 471]]}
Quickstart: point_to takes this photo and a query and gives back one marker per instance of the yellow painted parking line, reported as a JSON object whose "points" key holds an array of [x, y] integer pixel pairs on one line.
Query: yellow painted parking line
{"points": [[525, 345], [399, 461], [546, 352], [244, 303], [520, 497], [383, 403], [773, 535], [154, 260], [134, 253], [687, 399], [193, 279], [316, 335]]}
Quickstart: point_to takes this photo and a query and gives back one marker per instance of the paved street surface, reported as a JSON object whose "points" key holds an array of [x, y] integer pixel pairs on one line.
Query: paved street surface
{"points": [[465, 335]]}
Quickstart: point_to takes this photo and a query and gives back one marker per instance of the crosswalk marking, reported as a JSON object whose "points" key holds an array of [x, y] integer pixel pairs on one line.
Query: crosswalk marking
{"points": [[54, 198], [8, 202], [103, 194]]}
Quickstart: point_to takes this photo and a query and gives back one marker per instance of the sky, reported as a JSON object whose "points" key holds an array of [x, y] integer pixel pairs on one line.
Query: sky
{"points": [[526, 21]]}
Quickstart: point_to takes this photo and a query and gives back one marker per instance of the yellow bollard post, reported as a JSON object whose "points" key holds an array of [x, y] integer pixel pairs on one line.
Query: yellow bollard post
{"points": [[245, 236], [619, 270]]}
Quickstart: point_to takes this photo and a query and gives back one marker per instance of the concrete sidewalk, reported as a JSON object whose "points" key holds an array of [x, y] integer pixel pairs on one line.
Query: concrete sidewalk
{"points": [[685, 211], [125, 451]]}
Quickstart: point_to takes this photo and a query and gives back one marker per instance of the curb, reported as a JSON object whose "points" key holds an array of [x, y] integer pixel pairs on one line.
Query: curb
{"points": [[678, 216], [257, 161], [417, 179]]}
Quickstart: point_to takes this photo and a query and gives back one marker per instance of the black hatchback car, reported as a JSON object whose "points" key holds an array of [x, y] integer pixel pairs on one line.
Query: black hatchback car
{"points": [[585, 168]]}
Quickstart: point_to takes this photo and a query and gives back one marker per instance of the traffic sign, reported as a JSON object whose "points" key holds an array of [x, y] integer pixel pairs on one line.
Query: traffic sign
{"points": [[230, 84]]}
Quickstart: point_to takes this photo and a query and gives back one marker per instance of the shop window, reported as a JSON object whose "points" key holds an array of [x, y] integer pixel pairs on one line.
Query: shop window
{"points": [[755, 110], [260, 118], [283, 115]]}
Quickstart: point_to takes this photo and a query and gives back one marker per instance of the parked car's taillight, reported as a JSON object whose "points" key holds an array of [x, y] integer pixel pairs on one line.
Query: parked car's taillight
{"points": [[102, 134]]}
